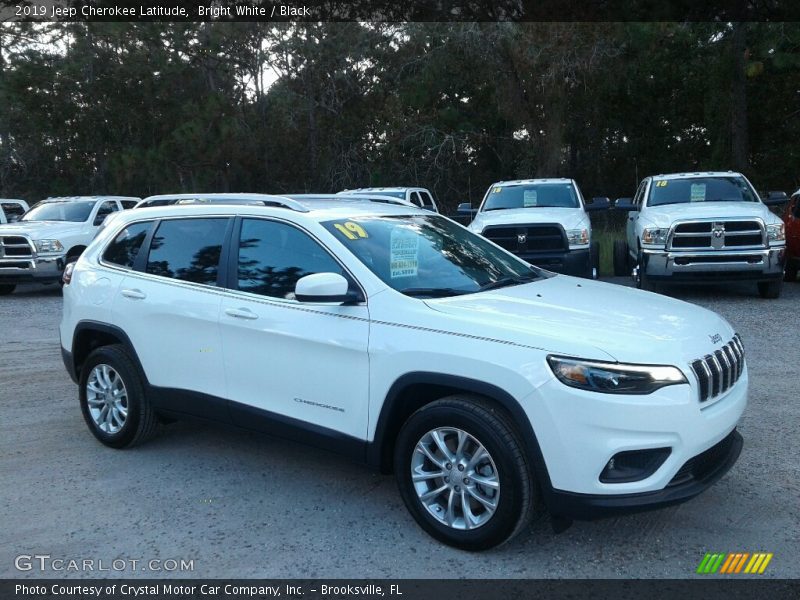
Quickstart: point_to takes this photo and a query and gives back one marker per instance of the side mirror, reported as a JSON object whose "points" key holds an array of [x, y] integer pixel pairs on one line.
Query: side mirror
{"points": [[325, 287], [625, 204], [601, 203], [774, 198], [465, 208]]}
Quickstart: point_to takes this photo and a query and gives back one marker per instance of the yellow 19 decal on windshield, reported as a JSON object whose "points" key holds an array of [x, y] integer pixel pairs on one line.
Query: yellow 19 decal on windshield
{"points": [[352, 231]]}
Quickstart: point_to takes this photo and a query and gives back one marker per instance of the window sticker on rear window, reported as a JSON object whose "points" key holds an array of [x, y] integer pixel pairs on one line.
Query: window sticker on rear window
{"points": [[697, 192], [404, 258], [528, 198]]}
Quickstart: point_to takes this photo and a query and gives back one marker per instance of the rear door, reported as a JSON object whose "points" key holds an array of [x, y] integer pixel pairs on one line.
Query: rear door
{"points": [[286, 361], [169, 308]]}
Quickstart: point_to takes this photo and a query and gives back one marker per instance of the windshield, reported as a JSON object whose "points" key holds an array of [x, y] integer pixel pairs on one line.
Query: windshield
{"points": [[429, 256], [532, 195], [700, 189], [401, 195], [75, 212]]}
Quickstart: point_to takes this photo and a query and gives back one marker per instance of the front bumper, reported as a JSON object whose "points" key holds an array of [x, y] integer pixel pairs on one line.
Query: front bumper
{"points": [[32, 270], [729, 265], [578, 432], [699, 474], [570, 262]]}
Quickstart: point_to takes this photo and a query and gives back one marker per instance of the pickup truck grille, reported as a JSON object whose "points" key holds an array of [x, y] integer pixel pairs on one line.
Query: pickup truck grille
{"points": [[15, 247], [521, 239], [717, 235], [716, 373]]}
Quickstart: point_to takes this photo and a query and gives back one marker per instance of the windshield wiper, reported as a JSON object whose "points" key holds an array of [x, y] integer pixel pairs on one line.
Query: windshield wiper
{"points": [[507, 281], [433, 292]]}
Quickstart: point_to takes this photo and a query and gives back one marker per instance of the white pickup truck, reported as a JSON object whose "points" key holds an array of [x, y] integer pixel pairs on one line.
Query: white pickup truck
{"points": [[36, 248], [543, 221], [701, 227]]}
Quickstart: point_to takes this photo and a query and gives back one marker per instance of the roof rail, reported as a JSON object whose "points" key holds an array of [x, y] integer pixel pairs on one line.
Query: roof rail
{"points": [[284, 202]]}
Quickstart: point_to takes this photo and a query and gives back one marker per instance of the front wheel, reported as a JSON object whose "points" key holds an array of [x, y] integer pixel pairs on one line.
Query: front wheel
{"points": [[6, 289], [621, 262], [462, 473], [595, 254], [643, 282], [770, 289]]}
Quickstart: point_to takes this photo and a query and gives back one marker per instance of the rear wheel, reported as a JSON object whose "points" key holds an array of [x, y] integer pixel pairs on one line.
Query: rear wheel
{"points": [[770, 289], [462, 473], [621, 261], [113, 399], [6, 289]]}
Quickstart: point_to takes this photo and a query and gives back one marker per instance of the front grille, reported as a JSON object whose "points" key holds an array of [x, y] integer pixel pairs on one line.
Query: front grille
{"points": [[717, 234], [716, 373], [523, 239], [15, 246], [698, 467]]}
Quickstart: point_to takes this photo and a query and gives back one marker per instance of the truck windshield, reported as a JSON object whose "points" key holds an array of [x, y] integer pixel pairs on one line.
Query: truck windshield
{"points": [[700, 189], [429, 256], [534, 195], [75, 212]]}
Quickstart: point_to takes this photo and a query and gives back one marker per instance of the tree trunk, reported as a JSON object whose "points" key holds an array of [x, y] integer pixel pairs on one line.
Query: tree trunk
{"points": [[739, 99]]}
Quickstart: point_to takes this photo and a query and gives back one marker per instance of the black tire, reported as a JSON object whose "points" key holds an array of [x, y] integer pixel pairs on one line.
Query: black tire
{"points": [[770, 289], [492, 428], [141, 422], [790, 273], [643, 282], [7, 289], [594, 271], [621, 261]]}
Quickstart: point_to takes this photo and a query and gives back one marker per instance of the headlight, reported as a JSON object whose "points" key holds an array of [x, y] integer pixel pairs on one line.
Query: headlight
{"points": [[613, 378], [655, 236], [578, 237], [48, 246], [776, 232]]}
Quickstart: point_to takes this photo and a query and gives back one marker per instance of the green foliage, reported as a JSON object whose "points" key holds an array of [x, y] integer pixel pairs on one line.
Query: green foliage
{"points": [[160, 107]]}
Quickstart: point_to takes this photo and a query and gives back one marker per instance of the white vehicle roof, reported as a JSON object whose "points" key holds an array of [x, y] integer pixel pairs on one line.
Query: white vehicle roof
{"points": [[698, 174], [401, 188], [86, 198], [315, 206], [527, 181]]}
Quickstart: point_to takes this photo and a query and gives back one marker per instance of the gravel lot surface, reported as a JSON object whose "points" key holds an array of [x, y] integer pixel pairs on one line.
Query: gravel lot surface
{"points": [[244, 505]]}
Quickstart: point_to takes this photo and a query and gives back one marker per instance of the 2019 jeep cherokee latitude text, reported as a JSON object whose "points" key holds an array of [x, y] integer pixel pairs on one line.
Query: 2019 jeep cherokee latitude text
{"points": [[400, 338]]}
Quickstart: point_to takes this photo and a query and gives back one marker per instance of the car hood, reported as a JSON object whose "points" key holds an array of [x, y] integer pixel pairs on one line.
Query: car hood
{"points": [[567, 315], [664, 216], [40, 229], [569, 218]]}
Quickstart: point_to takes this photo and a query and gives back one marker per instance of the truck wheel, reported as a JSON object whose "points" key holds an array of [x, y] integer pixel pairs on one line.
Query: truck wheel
{"points": [[770, 289], [6, 289], [621, 262], [643, 282], [790, 273], [595, 261], [462, 473], [113, 399]]}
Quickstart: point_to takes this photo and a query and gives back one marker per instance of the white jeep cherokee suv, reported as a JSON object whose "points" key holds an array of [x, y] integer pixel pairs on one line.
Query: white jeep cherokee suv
{"points": [[402, 339], [701, 227], [36, 248], [543, 221]]}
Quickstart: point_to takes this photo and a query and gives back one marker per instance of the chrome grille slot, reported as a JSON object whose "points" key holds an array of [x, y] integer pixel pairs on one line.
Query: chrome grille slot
{"points": [[16, 247], [717, 234], [718, 372]]}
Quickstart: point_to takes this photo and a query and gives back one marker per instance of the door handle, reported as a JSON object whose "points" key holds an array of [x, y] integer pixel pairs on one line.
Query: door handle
{"points": [[134, 294], [241, 313]]}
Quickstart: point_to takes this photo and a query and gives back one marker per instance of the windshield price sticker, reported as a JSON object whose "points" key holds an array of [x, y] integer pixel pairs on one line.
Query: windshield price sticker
{"points": [[529, 198], [404, 258], [697, 192], [352, 231], [662, 183]]}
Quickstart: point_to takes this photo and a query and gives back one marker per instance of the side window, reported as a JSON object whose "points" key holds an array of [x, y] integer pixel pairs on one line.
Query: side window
{"points": [[187, 249], [416, 199], [106, 208], [427, 200], [273, 256], [12, 210], [125, 247], [128, 204]]}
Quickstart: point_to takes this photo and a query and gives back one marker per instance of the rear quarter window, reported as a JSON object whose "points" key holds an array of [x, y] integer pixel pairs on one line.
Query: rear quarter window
{"points": [[125, 247]]}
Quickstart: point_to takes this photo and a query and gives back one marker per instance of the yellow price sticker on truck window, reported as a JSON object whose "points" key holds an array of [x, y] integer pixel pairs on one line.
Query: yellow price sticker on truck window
{"points": [[497, 190], [352, 231], [662, 183]]}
